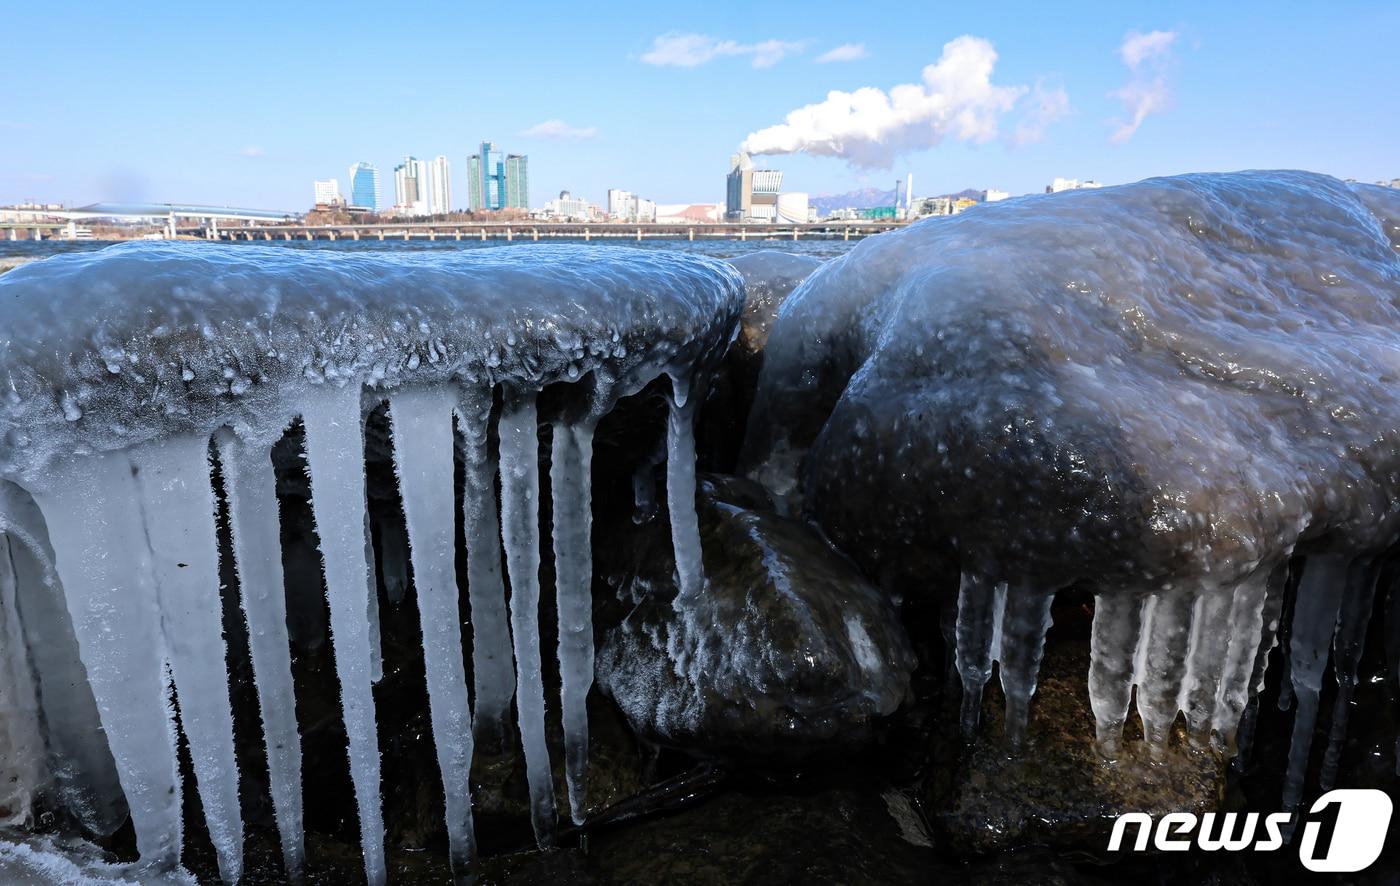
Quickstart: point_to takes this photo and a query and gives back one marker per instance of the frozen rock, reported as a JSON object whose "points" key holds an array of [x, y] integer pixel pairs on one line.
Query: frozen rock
{"points": [[769, 278], [787, 648], [1160, 390]]}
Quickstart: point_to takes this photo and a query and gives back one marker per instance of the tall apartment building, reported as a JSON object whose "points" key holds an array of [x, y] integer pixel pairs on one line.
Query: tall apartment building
{"points": [[411, 187], [496, 180]]}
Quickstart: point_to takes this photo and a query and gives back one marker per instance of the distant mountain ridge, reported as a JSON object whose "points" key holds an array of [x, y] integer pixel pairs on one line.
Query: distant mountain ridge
{"points": [[868, 198]]}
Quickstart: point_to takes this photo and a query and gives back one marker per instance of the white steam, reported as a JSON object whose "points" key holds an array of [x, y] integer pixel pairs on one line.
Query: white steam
{"points": [[1148, 57], [870, 127]]}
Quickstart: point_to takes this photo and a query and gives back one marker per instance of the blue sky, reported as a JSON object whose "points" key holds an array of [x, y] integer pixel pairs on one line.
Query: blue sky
{"points": [[245, 104]]}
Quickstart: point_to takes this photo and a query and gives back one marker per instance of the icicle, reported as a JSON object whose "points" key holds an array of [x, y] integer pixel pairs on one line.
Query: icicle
{"points": [[1347, 645], [423, 459], [1268, 638], [571, 488], [1021, 643], [21, 744], [1165, 637], [973, 658], [78, 758], [1205, 660], [680, 494], [1246, 632], [104, 563], [1319, 596], [1113, 647], [520, 494], [177, 507], [376, 642], [250, 487], [335, 452], [493, 675]]}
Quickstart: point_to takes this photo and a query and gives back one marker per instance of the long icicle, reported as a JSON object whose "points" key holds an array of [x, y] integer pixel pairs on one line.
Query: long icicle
{"points": [[1246, 624], [177, 506], [335, 454], [1270, 618], [493, 673], [571, 490], [104, 564], [1318, 598], [520, 516], [1205, 660], [423, 460], [250, 486], [81, 764], [1024, 624], [973, 657], [680, 493], [1166, 636], [1113, 644]]}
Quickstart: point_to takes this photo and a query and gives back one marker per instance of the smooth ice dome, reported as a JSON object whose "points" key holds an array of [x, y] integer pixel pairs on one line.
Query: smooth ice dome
{"points": [[105, 349], [1158, 392], [1134, 387]]}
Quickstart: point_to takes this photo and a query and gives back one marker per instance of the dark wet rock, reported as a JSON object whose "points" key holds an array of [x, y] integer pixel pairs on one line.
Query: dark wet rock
{"points": [[1158, 383], [787, 648], [769, 278], [1059, 792]]}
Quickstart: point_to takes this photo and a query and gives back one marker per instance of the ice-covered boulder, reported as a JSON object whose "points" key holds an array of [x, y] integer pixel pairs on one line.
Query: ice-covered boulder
{"points": [[789, 649], [770, 277], [1158, 392], [125, 371]]}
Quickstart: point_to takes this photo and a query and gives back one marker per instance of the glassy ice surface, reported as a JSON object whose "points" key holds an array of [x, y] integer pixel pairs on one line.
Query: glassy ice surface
{"points": [[1158, 392]]}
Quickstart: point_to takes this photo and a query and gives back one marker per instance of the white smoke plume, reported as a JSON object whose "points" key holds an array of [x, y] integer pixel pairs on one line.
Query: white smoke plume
{"points": [[870, 127], [1148, 57]]}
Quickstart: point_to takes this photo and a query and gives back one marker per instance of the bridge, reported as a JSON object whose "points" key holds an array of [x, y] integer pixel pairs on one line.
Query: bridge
{"points": [[66, 220], [528, 229]]}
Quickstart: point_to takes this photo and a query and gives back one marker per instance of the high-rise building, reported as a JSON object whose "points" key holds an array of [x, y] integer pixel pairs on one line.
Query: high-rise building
{"points": [[1070, 184], [497, 181], [620, 204], [411, 187], [751, 194], [439, 185], [364, 185], [327, 192], [517, 181]]}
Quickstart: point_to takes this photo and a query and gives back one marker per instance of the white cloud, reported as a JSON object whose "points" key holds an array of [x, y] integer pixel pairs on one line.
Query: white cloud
{"points": [[846, 52], [870, 128], [558, 130], [1149, 60], [1045, 106], [692, 50], [251, 151]]}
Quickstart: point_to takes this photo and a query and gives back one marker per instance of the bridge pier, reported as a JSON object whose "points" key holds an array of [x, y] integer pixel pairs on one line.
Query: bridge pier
{"points": [[846, 235], [432, 235], [692, 235], [535, 233], [794, 233], [483, 235], [355, 235], [38, 234], [457, 234], [510, 235], [639, 235], [381, 235], [743, 233], [308, 235], [405, 234]]}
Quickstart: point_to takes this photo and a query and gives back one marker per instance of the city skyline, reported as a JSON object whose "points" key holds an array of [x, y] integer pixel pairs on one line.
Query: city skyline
{"points": [[987, 100]]}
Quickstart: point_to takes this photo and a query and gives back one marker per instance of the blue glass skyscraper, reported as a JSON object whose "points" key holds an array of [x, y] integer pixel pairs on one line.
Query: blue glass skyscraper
{"points": [[364, 185]]}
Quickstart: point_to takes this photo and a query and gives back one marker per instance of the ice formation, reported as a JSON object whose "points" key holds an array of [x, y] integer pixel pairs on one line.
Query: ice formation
{"points": [[133, 376], [1164, 393]]}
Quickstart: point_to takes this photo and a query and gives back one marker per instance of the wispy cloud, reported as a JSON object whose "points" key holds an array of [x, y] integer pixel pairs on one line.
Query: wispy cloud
{"points": [[846, 52], [558, 130], [692, 50], [869, 127], [1044, 106], [1148, 58], [251, 151]]}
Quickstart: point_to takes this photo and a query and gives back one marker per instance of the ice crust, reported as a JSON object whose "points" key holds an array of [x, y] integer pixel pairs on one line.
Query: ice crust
{"points": [[123, 371], [1158, 392]]}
